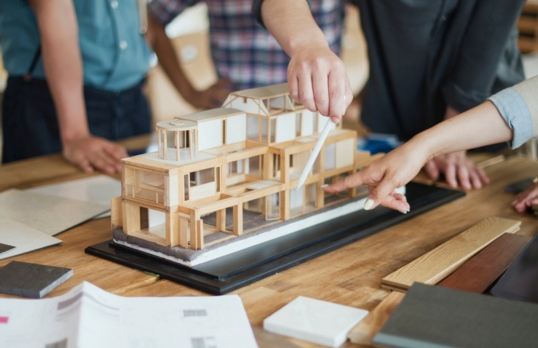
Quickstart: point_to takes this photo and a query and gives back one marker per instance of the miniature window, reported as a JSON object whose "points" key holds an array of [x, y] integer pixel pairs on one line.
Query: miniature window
{"points": [[252, 128], [156, 218], [316, 166], [254, 205], [345, 153], [186, 183], [217, 178], [236, 172], [203, 184], [276, 166], [298, 162], [330, 157], [298, 128], [272, 130], [203, 177], [272, 207], [145, 185], [255, 166], [296, 202], [308, 123], [280, 103], [236, 167], [265, 127], [152, 179], [311, 197]]}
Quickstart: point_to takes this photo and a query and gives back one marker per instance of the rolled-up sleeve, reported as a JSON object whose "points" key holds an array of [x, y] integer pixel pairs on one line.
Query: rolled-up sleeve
{"points": [[515, 113], [518, 106]]}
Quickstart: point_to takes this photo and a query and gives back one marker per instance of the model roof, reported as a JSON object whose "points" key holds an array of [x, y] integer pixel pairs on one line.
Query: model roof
{"points": [[207, 115], [264, 92]]}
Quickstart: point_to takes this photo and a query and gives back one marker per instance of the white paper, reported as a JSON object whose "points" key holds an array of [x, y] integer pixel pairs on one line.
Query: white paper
{"points": [[23, 238], [90, 317], [96, 189], [45, 213]]}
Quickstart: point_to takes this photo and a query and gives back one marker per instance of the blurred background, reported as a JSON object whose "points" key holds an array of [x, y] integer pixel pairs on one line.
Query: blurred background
{"points": [[189, 33]]}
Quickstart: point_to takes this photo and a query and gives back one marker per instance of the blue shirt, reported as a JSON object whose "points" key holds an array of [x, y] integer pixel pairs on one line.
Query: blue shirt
{"points": [[114, 53], [518, 107]]}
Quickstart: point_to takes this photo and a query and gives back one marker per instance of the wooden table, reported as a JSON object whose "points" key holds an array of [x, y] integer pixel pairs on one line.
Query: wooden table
{"points": [[349, 276]]}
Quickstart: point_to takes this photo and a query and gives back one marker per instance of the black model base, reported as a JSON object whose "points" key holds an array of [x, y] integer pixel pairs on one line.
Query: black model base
{"points": [[236, 270]]}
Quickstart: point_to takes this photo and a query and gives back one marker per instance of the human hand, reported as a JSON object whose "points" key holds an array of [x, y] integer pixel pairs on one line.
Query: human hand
{"points": [[457, 168], [90, 153], [527, 198], [317, 79], [213, 97], [384, 175]]}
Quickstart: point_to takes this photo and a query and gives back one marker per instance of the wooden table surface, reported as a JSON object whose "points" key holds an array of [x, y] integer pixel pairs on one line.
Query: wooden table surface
{"points": [[350, 275]]}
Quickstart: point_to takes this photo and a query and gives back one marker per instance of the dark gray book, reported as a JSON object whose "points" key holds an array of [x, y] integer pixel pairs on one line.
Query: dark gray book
{"points": [[432, 316], [5, 247], [30, 279]]}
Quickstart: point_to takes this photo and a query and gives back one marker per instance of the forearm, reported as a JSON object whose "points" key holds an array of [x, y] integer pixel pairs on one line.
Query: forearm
{"points": [[480, 126], [292, 24], [168, 60], [63, 64]]}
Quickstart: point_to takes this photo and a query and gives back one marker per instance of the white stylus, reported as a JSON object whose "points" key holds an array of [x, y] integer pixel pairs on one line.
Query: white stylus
{"points": [[314, 154]]}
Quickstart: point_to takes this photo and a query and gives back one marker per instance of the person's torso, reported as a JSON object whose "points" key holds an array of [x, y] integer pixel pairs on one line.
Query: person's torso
{"points": [[246, 53], [114, 53]]}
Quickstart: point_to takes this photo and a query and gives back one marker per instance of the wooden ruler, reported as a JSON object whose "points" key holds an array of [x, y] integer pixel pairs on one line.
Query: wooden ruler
{"points": [[435, 265], [476, 275]]}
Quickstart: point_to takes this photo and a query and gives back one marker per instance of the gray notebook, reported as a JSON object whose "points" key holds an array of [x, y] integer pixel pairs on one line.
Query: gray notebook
{"points": [[432, 316], [30, 279]]}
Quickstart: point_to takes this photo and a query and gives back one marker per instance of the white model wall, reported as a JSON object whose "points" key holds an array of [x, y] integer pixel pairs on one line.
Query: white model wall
{"points": [[344, 153], [236, 129], [209, 134], [285, 128], [322, 121], [307, 122]]}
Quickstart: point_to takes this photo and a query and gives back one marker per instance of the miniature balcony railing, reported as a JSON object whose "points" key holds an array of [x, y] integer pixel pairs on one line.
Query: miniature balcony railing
{"points": [[152, 195], [183, 131]]}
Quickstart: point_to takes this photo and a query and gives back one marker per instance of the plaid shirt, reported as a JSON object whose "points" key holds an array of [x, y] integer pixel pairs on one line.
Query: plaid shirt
{"points": [[242, 50]]}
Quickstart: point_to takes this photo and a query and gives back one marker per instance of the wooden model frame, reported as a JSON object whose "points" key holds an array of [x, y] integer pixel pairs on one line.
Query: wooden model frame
{"points": [[245, 156]]}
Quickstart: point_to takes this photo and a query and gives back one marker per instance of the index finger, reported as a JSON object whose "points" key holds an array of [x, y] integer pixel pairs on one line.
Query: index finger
{"points": [[350, 181]]}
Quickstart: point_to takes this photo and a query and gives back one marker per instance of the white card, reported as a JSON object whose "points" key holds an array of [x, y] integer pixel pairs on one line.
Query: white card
{"points": [[314, 320], [23, 238]]}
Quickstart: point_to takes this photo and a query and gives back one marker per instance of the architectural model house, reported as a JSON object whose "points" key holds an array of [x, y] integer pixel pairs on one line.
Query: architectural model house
{"points": [[225, 173]]}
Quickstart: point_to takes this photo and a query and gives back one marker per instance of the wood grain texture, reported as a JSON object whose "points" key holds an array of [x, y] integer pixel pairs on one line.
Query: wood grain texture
{"points": [[364, 332], [476, 275], [435, 265], [349, 276], [481, 271]]}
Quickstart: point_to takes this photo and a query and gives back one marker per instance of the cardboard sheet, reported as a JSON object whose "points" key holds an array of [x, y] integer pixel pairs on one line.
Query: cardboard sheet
{"points": [[23, 238], [48, 214], [96, 189]]}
